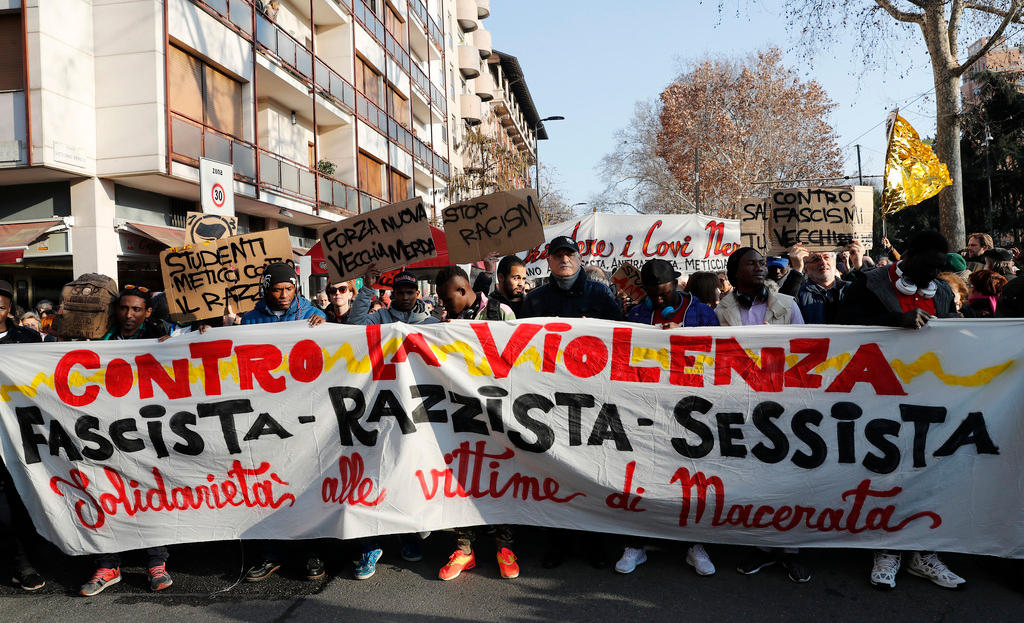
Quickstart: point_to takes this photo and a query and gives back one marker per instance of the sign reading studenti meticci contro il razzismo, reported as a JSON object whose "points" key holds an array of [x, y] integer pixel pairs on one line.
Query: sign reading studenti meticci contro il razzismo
{"points": [[782, 436]]}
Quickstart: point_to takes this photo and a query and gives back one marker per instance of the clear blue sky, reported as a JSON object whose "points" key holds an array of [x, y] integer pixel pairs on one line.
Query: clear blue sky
{"points": [[591, 60]]}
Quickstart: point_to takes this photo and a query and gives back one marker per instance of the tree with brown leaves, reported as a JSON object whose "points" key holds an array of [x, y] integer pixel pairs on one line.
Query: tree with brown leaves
{"points": [[726, 124]]}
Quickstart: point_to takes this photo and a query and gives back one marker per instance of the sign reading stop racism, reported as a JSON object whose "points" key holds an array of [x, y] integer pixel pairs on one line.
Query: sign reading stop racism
{"points": [[216, 188]]}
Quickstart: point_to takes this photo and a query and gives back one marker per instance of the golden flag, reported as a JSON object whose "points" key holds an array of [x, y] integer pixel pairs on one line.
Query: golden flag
{"points": [[913, 172]]}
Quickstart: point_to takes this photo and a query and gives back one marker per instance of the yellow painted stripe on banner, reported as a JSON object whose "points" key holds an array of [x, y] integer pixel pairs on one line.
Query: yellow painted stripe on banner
{"points": [[929, 362]]}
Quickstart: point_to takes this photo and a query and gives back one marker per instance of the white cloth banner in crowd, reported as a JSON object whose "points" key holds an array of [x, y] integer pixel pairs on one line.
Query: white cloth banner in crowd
{"points": [[692, 242], [777, 436]]}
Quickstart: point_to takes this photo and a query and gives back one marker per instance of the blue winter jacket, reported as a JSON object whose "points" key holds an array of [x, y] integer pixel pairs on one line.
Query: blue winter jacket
{"points": [[819, 305], [585, 299], [697, 314], [301, 309]]}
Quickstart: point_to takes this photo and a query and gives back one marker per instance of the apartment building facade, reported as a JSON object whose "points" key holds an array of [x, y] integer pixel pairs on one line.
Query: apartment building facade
{"points": [[324, 108], [1001, 57]]}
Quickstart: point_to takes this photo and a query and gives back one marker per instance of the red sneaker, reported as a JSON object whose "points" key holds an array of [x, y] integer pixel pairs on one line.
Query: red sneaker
{"points": [[101, 580], [507, 564], [457, 563], [159, 579]]}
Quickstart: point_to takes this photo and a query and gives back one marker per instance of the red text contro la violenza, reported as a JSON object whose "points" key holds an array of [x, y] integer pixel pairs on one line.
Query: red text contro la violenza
{"points": [[583, 356]]}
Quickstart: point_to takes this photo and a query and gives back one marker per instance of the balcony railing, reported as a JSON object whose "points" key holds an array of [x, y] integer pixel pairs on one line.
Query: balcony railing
{"points": [[330, 83], [372, 113], [284, 47], [420, 10], [437, 97], [419, 78], [287, 176], [398, 133], [337, 195], [366, 17], [191, 140], [397, 52], [238, 12]]}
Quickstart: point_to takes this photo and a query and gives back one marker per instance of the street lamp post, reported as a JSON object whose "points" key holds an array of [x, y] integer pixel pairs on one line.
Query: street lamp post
{"points": [[536, 132]]}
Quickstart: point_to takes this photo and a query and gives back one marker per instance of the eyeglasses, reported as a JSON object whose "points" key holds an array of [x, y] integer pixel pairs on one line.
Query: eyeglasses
{"points": [[142, 289], [332, 291]]}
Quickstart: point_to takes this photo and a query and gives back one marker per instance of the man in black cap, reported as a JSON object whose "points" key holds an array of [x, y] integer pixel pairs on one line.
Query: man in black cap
{"points": [[665, 304], [1000, 261], [281, 302], [20, 529], [406, 305], [568, 293]]}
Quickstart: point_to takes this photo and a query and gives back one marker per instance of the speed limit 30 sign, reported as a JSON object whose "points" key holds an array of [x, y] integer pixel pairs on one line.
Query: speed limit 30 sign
{"points": [[215, 187]]}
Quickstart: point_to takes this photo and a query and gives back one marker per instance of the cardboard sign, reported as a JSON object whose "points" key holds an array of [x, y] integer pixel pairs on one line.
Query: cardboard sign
{"points": [[754, 223], [389, 237], [249, 254], [627, 279], [200, 279], [504, 222], [200, 227], [820, 218]]}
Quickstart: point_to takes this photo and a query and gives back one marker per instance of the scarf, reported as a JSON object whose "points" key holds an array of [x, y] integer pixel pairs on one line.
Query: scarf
{"points": [[565, 283]]}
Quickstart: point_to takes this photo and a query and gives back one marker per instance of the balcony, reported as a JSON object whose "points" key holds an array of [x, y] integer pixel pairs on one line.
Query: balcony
{"points": [[466, 15], [13, 132], [337, 196], [286, 176], [285, 48], [482, 40], [471, 108], [469, 61], [483, 9], [191, 140], [483, 86]]}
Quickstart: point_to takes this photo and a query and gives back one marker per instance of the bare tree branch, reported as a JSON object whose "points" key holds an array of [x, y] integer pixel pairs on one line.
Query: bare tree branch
{"points": [[1009, 16], [902, 16], [956, 12]]}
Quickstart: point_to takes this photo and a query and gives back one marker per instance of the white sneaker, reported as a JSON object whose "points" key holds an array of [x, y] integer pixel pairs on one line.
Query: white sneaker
{"points": [[631, 557], [883, 574], [927, 565], [697, 558]]}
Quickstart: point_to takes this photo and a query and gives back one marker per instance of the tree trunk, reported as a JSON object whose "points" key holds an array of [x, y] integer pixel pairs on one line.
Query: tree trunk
{"points": [[947, 121], [947, 144]]}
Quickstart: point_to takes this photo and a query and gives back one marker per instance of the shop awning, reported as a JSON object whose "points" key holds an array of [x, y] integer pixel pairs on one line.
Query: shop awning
{"points": [[169, 236], [21, 235], [11, 256]]}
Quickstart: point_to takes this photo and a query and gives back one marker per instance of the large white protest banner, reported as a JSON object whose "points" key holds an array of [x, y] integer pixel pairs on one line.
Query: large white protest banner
{"points": [[692, 242], [776, 436]]}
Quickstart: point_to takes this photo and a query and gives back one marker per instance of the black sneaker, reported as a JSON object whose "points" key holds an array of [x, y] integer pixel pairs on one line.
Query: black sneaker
{"points": [[315, 569], [758, 560], [28, 580], [553, 557], [261, 571], [797, 572]]}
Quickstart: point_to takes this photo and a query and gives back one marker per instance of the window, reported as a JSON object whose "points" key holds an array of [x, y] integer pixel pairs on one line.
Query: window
{"points": [[398, 106], [204, 94], [396, 27], [368, 81], [371, 175], [399, 187], [12, 69]]}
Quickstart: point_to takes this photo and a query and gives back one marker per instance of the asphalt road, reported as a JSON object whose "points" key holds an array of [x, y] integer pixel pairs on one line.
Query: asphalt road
{"points": [[663, 589]]}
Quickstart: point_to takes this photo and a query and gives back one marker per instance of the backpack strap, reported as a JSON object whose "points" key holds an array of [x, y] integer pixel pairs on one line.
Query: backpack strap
{"points": [[493, 309]]}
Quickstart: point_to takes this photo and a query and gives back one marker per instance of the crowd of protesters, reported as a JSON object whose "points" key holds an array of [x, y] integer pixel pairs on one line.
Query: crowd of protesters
{"points": [[905, 288]]}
